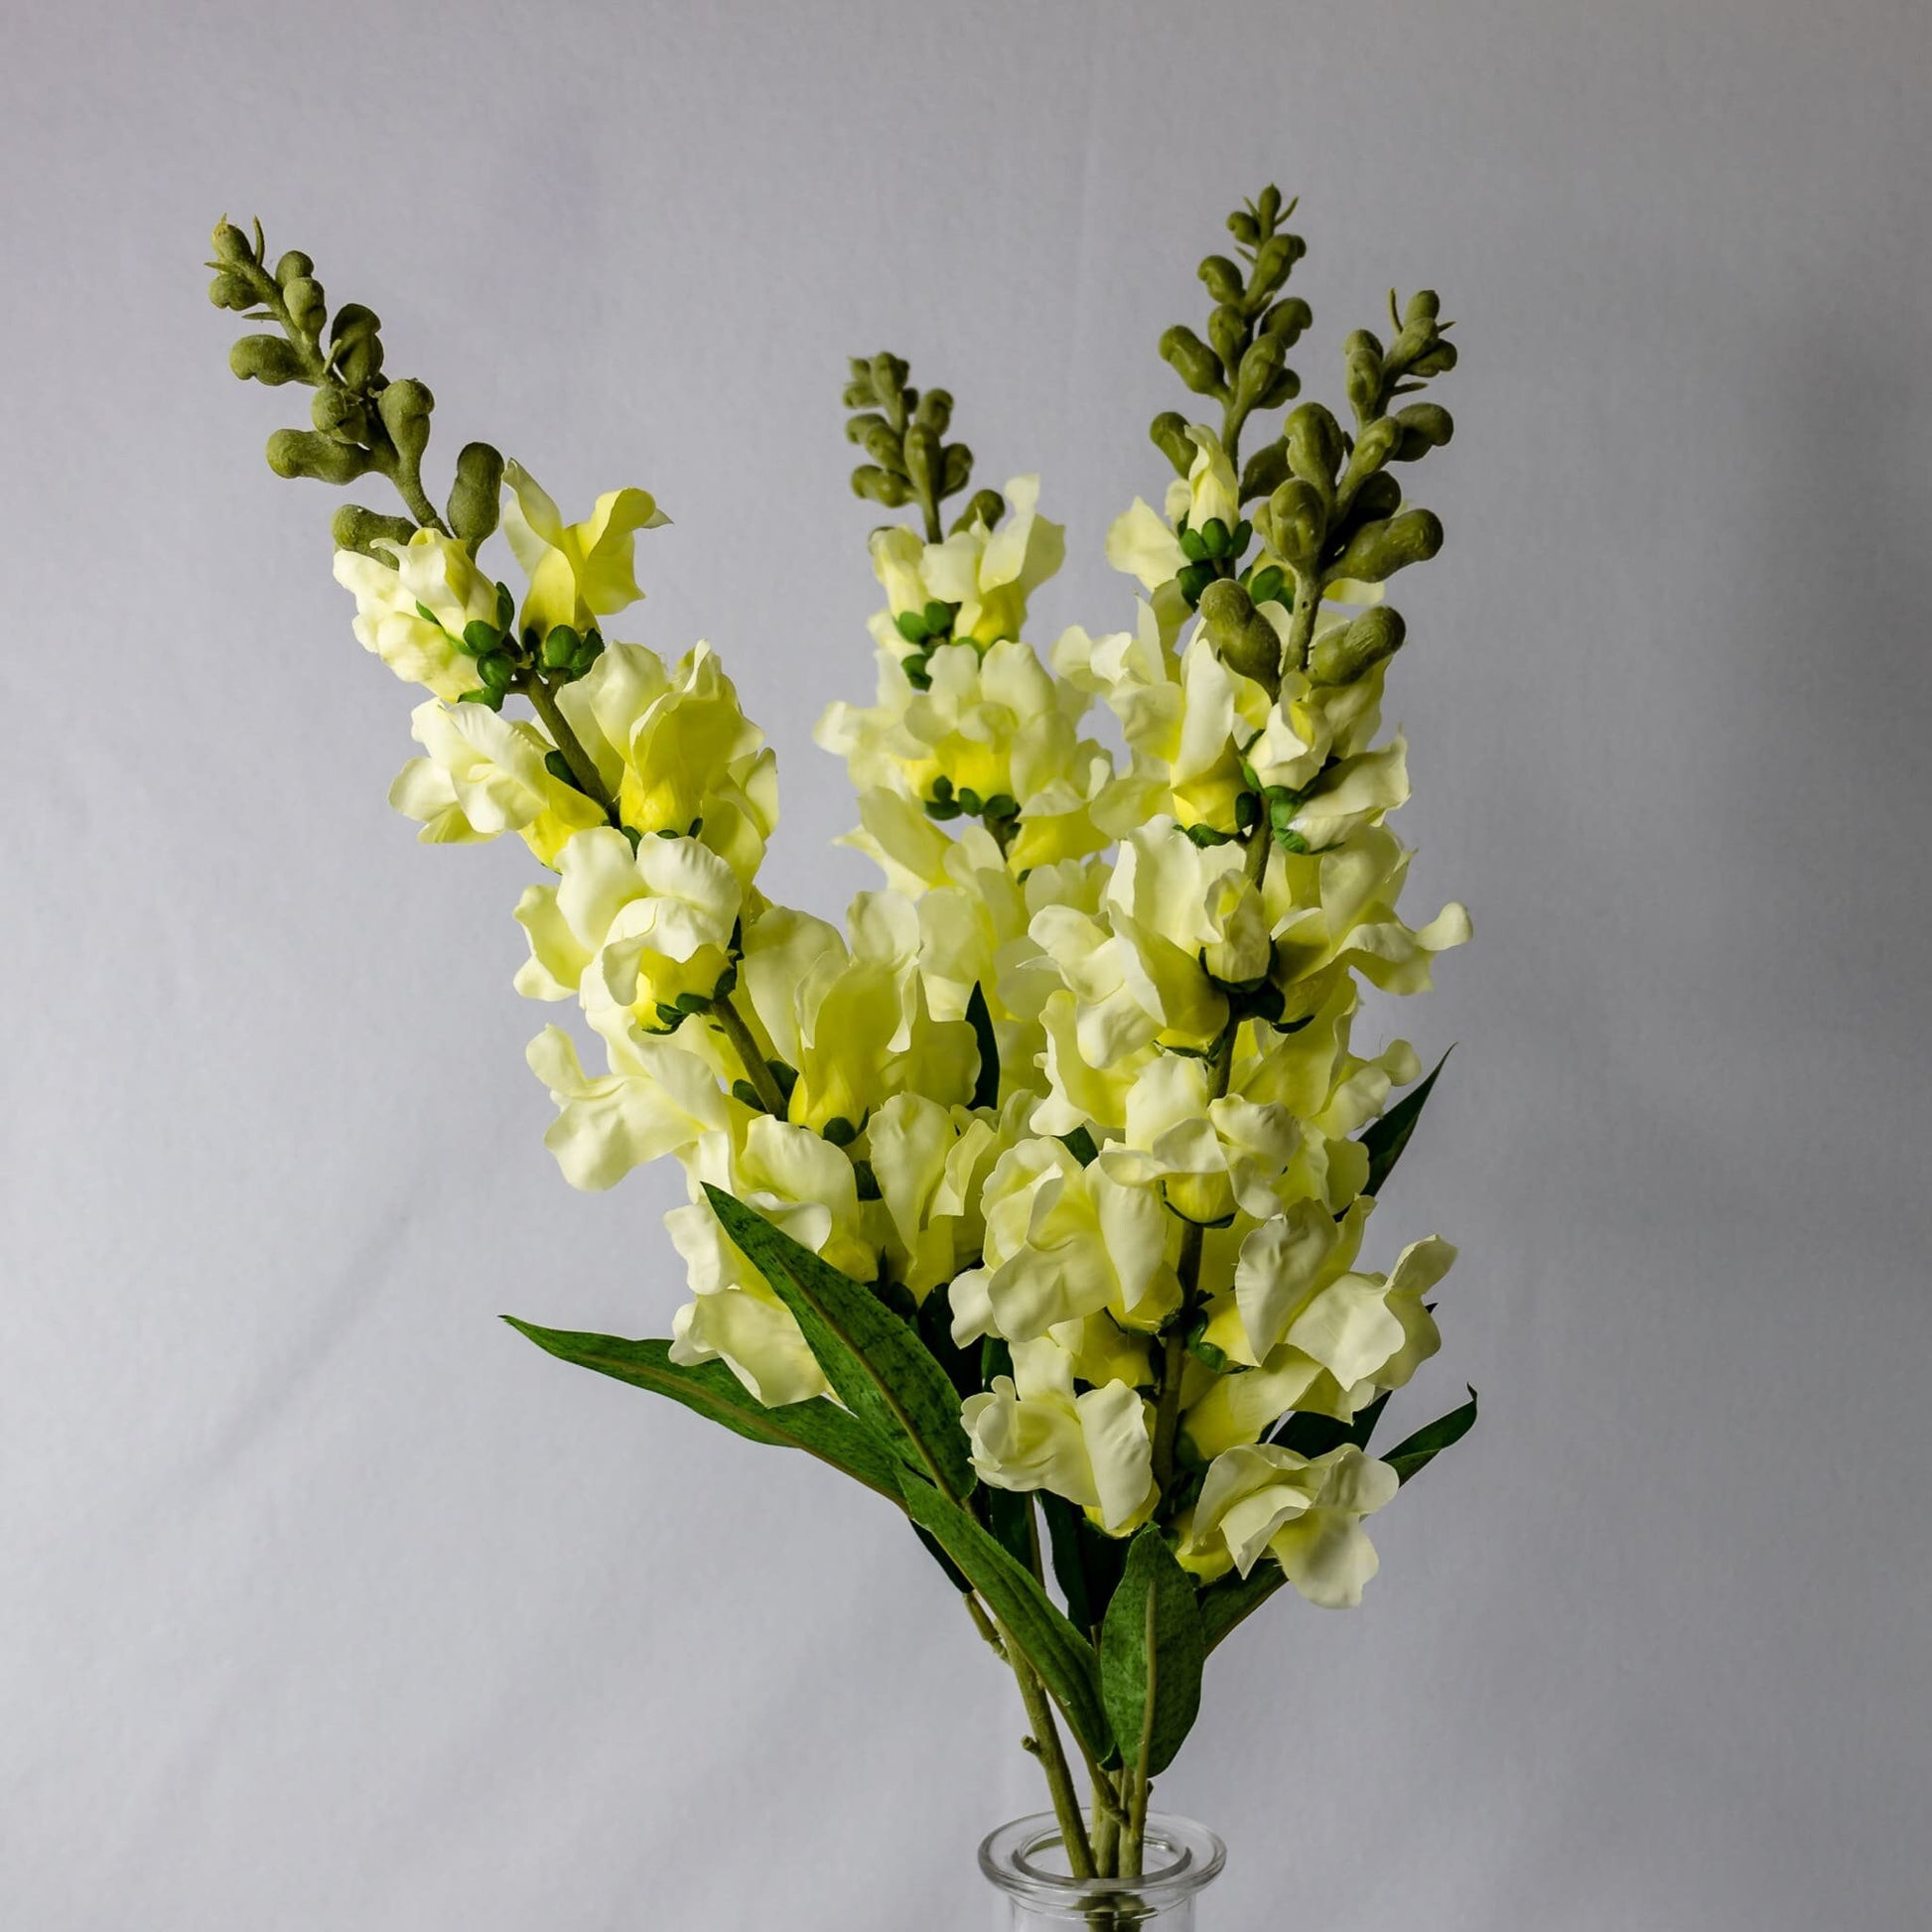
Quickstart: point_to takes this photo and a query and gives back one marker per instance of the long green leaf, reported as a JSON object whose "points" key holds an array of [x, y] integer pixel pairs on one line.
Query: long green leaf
{"points": [[1386, 1138], [1054, 1647], [1152, 1648], [874, 1359], [819, 1428], [1087, 1561], [1234, 1599], [1312, 1435], [1413, 1454]]}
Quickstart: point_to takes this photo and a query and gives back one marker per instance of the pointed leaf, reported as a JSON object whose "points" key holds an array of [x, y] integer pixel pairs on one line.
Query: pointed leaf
{"points": [[986, 1087], [1386, 1138], [819, 1428], [1152, 1648], [1087, 1561], [1312, 1436], [1234, 1599], [874, 1359], [1056, 1651], [1410, 1456]]}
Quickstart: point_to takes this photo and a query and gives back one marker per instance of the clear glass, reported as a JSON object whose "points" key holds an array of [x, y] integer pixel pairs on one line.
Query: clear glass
{"points": [[1027, 1864]]}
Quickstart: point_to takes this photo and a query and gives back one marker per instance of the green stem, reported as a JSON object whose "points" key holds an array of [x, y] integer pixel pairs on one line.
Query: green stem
{"points": [[770, 1094], [583, 768], [1045, 1743], [1300, 628], [1133, 1839]]}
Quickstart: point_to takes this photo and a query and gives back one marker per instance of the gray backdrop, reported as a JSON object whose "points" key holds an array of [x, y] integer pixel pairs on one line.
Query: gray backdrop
{"points": [[330, 1605]]}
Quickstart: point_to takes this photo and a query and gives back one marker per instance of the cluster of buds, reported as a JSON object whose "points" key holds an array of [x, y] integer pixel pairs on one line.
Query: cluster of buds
{"points": [[903, 431], [508, 663], [1243, 363], [361, 422]]}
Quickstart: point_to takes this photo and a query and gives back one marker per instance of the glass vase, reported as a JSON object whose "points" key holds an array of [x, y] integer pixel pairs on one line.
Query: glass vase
{"points": [[1026, 1862]]}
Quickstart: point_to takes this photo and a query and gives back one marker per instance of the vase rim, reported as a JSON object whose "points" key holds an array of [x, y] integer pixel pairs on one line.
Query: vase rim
{"points": [[1182, 1857]]}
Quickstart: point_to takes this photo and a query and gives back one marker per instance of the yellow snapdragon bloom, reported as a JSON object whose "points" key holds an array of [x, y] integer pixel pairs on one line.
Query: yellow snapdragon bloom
{"points": [[1063, 1242], [988, 574], [1096, 1448], [676, 750], [659, 1098], [577, 572], [625, 932], [431, 573], [1308, 1515], [483, 776]]}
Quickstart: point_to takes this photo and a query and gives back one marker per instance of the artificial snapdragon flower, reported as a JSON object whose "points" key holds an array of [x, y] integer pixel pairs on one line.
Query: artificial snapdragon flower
{"points": [[411, 610], [1306, 1514], [484, 775], [1030, 1431], [577, 572]]}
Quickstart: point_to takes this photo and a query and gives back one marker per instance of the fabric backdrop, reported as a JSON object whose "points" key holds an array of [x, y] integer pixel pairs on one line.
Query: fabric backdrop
{"points": [[333, 1606]]}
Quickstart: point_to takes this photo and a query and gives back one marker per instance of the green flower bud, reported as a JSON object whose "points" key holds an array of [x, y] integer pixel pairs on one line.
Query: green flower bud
{"points": [[588, 652], [1314, 447], [485, 696], [1244, 227], [1424, 307], [479, 639], [1378, 550], [1193, 545], [1264, 469], [1273, 261], [858, 426], [938, 618], [355, 345], [1287, 320], [912, 626], [356, 528], [266, 358], [956, 470], [1222, 277], [1193, 362], [1194, 580], [1282, 390], [306, 304], [307, 453], [934, 411], [1267, 585], [1380, 495], [889, 373], [230, 290], [1343, 654], [984, 506], [1424, 426], [476, 493], [1266, 357], [232, 245], [1169, 430], [1245, 640], [497, 670], [1227, 328], [334, 412], [1268, 205], [1375, 446], [405, 408], [293, 267], [1297, 523], [1364, 372], [560, 646], [881, 486], [882, 442], [1439, 362], [923, 459]]}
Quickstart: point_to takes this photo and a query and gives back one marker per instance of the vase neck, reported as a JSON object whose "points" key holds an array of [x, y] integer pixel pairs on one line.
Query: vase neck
{"points": [[1026, 1863]]}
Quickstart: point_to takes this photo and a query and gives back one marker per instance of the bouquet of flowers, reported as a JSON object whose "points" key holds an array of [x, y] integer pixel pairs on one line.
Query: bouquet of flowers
{"points": [[1034, 1199]]}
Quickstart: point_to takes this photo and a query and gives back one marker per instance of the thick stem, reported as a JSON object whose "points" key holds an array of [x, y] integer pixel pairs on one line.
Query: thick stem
{"points": [[1300, 628], [583, 768], [763, 1080], [1134, 1836], [1046, 1746]]}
